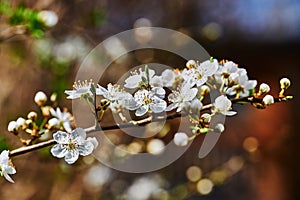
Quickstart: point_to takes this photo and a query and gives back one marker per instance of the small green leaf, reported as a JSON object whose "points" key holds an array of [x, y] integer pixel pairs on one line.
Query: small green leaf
{"points": [[251, 92], [144, 80], [93, 89]]}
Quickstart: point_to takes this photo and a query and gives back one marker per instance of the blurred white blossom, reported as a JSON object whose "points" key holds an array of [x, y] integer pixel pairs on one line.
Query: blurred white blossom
{"points": [[181, 139], [6, 167], [49, 18]]}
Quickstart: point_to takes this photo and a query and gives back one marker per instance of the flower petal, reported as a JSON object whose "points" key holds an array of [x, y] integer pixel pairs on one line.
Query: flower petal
{"points": [[7, 177], [58, 151], [141, 110], [61, 137], [86, 149], [158, 105], [172, 106], [71, 156], [78, 133], [93, 140]]}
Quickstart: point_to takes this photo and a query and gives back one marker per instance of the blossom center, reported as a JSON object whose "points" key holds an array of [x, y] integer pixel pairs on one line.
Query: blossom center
{"points": [[71, 145]]}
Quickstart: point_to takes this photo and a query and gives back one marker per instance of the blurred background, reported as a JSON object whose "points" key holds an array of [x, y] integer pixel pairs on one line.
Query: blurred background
{"points": [[255, 158]]}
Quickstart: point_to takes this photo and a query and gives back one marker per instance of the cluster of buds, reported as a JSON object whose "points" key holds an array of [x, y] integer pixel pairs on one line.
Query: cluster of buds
{"points": [[29, 129], [268, 99], [28, 126]]}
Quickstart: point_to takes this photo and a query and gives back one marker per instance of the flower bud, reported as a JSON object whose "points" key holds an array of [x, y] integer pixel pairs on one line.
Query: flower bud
{"points": [[28, 122], [32, 115], [21, 121], [40, 98], [268, 99], [48, 18], [285, 83], [53, 122], [12, 126], [206, 118], [53, 97], [264, 88], [181, 139], [204, 90], [219, 128], [191, 64], [46, 111]]}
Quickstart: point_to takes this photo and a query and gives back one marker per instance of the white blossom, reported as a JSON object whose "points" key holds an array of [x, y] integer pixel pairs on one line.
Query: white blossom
{"points": [[6, 167], [223, 105], [136, 79], [225, 71], [115, 95], [143, 100], [181, 139], [71, 145], [80, 89], [268, 99], [181, 98], [200, 74], [168, 77], [239, 83], [63, 119]]}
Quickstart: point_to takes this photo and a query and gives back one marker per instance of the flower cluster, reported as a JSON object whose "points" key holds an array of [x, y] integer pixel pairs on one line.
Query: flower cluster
{"points": [[144, 92], [183, 91]]}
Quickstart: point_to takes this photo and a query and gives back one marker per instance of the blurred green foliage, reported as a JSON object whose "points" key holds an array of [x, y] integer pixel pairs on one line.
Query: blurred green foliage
{"points": [[23, 16]]}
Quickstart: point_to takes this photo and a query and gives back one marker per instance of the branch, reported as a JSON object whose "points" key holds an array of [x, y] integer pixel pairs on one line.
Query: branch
{"points": [[23, 150]]}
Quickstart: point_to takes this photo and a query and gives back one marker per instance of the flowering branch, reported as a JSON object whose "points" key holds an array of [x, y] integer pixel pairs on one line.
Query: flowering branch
{"points": [[26, 149], [188, 87]]}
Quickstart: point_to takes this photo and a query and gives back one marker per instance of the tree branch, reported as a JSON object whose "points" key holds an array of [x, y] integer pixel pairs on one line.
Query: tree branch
{"points": [[26, 149]]}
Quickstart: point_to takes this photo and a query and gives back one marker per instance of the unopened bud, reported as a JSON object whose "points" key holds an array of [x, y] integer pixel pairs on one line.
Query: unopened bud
{"points": [[53, 97], [191, 64], [40, 98], [181, 139], [204, 90], [285, 83], [46, 111], [32, 115], [12, 126], [264, 88], [268, 100], [53, 122], [21, 121], [206, 118], [219, 128]]}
